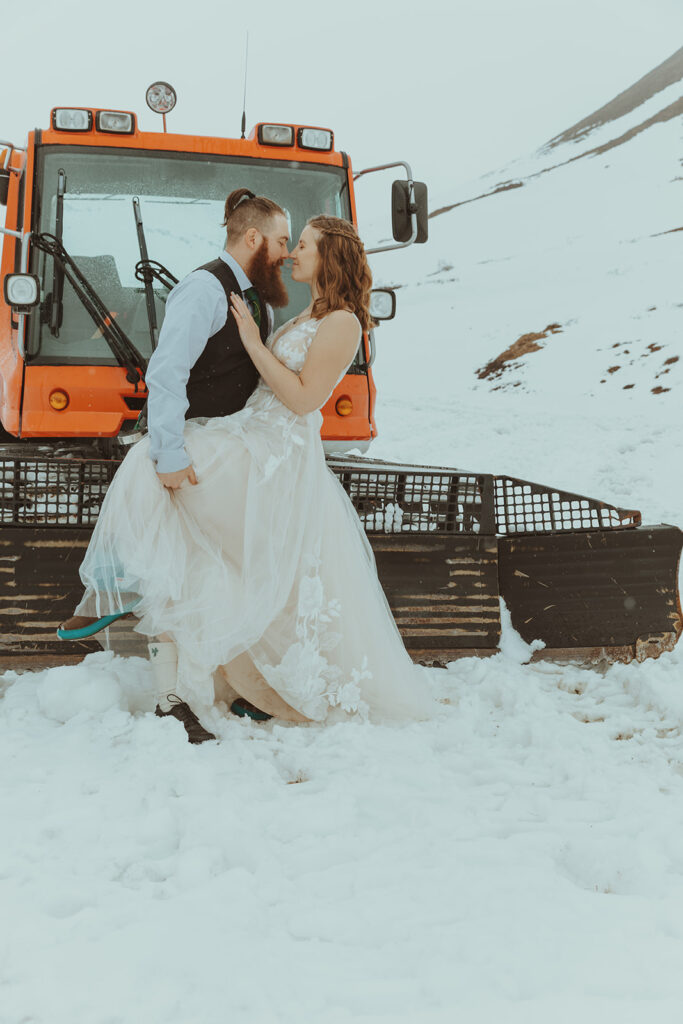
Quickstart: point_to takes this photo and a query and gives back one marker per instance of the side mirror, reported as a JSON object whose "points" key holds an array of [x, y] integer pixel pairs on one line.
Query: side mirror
{"points": [[402, 207], [382, 304], [4, 187], [22, 292]]}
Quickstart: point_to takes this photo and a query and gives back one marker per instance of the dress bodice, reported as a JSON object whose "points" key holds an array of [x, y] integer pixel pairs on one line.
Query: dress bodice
{"points": [[290, 344]]}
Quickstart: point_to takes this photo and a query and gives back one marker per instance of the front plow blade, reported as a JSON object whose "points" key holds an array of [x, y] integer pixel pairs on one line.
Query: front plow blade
{"points": [[602, 594]]}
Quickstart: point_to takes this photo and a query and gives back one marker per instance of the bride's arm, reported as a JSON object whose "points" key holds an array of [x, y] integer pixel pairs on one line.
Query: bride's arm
{"points": [[331, 351]]}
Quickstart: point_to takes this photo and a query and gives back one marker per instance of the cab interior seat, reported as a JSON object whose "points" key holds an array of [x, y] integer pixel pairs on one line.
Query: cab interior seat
{"points": [[79, 335]]}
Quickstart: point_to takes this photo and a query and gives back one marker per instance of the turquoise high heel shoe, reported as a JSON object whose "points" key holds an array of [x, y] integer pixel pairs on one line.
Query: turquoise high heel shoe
{"points": [[244, 709], [96, 626]]}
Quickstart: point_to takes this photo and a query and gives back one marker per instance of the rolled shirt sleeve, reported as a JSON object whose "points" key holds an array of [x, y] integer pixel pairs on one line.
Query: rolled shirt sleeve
{"points": [[195, 310]]}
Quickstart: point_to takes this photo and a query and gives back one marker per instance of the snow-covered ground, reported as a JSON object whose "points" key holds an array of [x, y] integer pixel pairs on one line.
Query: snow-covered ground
{"points": [[518, 859]]}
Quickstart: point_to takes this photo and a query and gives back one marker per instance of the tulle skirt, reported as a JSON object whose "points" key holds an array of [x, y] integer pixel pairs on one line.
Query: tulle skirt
{"points": [[264, 560]]}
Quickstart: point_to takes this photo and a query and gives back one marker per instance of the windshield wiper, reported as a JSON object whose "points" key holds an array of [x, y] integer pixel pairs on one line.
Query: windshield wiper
{"points": [[143, 273], [147, 270], [56, 305], [123, 348], [157, 271]]}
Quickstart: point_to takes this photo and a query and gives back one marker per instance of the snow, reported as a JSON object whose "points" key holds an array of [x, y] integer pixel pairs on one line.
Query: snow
{"points": [[518, 858], [521, 854]]}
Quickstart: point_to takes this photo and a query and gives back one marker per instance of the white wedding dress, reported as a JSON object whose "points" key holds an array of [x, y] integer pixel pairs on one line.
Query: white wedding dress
{"points": [[264, 557]]}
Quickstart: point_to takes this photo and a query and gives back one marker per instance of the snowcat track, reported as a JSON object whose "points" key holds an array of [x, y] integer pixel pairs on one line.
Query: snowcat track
{"points": [[579, 574]]}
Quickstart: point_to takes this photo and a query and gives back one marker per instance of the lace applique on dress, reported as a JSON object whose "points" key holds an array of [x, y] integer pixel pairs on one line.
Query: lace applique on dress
{"points": [[304, 676], [291, 343]]}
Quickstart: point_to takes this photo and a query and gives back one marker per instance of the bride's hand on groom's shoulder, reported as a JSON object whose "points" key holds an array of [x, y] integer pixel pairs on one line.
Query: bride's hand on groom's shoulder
{"points": [[246, 325]]}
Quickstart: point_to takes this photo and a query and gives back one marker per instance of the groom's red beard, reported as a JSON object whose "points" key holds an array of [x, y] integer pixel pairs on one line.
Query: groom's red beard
{"points": [[266, 278]]}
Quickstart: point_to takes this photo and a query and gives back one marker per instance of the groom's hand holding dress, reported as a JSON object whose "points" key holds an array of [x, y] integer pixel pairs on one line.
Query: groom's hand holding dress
{"points": [[173, 481]]}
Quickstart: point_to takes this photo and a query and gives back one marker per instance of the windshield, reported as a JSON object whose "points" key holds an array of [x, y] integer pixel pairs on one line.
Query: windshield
{"points": [[182, 200]]}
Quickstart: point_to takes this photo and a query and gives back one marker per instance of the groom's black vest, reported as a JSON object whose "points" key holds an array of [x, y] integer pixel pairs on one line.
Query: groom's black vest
{"points": [[224, 376]]}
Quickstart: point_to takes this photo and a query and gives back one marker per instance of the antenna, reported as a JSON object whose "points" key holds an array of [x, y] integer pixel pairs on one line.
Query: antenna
{"points": [[244, 102]]}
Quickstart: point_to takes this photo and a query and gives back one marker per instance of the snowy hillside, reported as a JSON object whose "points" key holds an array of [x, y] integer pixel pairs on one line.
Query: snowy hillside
{"points": [[520, 858], [587, 233]]}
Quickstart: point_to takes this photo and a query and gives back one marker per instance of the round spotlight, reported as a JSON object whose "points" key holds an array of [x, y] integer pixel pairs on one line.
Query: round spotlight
{"points": [[161, 97]]}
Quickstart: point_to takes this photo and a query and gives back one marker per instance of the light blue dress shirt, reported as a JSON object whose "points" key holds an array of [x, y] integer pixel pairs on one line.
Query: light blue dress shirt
{"points": [[195, 310]]}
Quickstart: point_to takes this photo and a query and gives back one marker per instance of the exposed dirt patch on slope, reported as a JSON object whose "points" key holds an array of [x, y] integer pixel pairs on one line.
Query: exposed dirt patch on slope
{"points": [[525, 345], [504, 186], [643, 370]]}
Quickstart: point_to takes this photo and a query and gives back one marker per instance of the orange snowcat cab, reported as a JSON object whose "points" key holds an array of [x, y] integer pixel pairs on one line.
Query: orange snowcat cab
{"points": [[94, 205]]}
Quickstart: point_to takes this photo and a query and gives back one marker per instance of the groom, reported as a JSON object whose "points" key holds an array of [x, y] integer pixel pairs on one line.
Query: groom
{"points": [[201, 368]]}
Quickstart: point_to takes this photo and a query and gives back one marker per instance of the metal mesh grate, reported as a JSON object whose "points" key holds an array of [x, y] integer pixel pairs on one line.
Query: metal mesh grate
{"points": [[422, 500], [59, 492], [523, 507], [388, 498]]}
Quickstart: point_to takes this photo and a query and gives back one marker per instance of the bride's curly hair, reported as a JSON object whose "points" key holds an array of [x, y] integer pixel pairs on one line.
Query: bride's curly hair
{"points": [[344, 277]]}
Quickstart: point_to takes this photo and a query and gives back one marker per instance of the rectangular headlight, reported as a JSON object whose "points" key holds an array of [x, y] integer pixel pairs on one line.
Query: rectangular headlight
{"points": [[276, 134], [22, 291], [315, 138], [71, 119], [115, 121]]}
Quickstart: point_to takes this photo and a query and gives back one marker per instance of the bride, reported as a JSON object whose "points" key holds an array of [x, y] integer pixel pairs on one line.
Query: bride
{"points": [[261, 571]]}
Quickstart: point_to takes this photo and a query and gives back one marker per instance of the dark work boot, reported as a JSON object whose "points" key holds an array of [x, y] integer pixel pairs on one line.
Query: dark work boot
{"points": [[196, 733]]}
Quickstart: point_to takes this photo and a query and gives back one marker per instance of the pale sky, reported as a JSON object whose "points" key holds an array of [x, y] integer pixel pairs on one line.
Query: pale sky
{"points": [[457, 88]]}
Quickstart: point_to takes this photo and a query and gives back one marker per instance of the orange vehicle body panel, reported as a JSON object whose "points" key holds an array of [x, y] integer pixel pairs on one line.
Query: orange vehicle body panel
{"points": [[93, 390], [11, 363], [96, 393], [96, 407]]}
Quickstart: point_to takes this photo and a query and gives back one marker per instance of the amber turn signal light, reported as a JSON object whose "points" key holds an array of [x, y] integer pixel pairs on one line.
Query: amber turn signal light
{"points": [[344, 406], [58, 400]]}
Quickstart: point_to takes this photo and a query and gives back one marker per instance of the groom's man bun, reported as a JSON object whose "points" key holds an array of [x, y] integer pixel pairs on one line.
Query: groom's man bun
{"points": [[244, 210]]}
